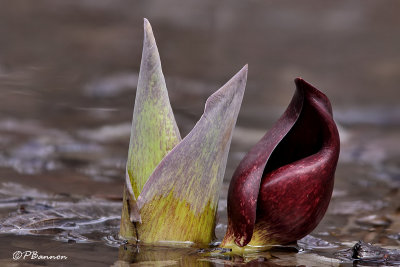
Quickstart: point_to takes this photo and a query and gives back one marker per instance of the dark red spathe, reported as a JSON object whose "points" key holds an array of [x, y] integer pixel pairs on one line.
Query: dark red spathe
{"points": [[283, 186]]}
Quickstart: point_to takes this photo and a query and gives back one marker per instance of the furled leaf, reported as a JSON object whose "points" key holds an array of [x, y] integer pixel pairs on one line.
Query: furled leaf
{"points": [[154, 131], [179, 201], [281, 189]]}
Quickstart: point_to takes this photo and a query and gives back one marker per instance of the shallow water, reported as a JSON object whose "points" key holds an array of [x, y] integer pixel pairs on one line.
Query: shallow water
{"points": [[68, 73]]}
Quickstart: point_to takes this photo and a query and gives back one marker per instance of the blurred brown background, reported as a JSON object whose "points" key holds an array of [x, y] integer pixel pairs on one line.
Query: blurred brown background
{"points": [[51, 50]]}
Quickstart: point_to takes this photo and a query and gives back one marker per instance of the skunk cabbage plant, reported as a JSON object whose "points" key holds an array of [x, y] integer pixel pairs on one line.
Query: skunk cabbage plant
{"points": [[281, 189], [278, 194], [173, 184]]}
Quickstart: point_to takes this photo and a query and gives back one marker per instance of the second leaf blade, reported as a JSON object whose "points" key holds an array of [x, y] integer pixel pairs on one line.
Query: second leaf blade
{"points": [[179, 201]]}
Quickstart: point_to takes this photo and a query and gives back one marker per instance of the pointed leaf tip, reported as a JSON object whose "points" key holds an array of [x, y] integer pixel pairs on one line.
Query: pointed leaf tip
{"points": [[233, 88], [148, 30]]}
